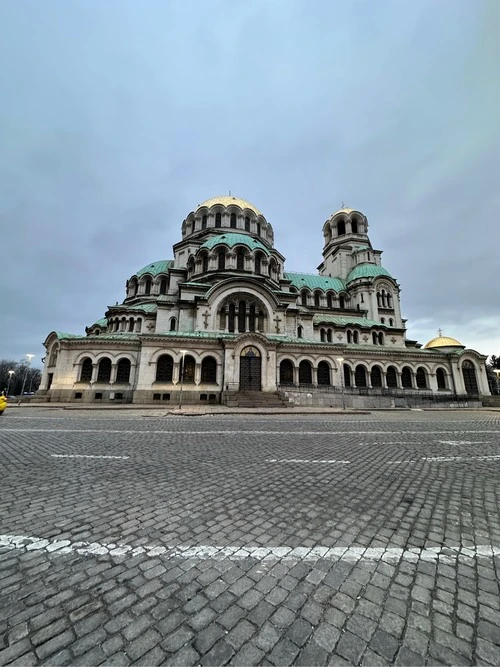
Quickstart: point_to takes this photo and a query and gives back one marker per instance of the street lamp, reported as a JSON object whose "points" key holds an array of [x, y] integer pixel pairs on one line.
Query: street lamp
{"points": [[341, 369], [183, 352], [11, 373], [30, 357]]}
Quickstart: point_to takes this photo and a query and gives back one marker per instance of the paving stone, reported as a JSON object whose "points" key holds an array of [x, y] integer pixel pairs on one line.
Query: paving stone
{"points": [[384, 644], [240, 634], [248, 655], [177, 639], [351, 647], [219, 654], [207, 638], [406, 657], [267, 637], [326, 636], [186, 657], [312, 654], [284, 653]]}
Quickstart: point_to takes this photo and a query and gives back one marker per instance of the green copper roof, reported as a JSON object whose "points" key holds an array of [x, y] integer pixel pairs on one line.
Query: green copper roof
{"points": [[161, 266], [366, 270], [148, 307], [344, 321], [61, 335], [313, 281], [235, 239], [103, 322]]}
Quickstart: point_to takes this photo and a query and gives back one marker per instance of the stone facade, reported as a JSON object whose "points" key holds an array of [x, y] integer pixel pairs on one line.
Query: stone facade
{"points": [[224, 316]]}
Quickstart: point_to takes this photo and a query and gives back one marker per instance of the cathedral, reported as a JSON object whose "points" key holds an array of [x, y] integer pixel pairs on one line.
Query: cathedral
{"points": [[223, 322]]}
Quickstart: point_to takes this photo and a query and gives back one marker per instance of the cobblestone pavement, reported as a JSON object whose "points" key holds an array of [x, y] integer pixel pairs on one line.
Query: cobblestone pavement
{"points": [[245, 540]]}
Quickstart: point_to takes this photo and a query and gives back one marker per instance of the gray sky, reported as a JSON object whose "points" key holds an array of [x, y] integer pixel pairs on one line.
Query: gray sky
{"points": [[117, 118]]}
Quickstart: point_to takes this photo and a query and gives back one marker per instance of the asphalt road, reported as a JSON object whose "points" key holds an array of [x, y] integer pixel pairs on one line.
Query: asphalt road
{"points": [[128, 538]]}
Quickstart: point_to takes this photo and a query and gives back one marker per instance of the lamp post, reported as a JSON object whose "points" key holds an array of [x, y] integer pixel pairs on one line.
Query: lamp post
{"points": [[341, 369], [11, 373], [496, 370], [30, 357], [183, 352]]}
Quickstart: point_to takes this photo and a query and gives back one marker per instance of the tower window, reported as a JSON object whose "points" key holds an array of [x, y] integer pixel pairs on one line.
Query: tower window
{"points": [[354, 226], [341, 228], [247, 224], [204, 222], [233, 221], [218, 220]]}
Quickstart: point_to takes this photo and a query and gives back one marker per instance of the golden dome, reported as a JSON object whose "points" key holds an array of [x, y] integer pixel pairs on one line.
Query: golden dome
{"points": [[229, 200], [443, 341]]}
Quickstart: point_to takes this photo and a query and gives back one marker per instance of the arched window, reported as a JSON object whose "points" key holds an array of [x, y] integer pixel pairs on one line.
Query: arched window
{"points": [[341, 228], [164, 368], [391, 322], [305, 372], [204, 222], [323, 373], [123, 324], [209, 370], [347, 376], [164, 283], [354, 226], [441, 378], [300, 331], [406, 379], [421, 378], [240, 260], [391, 377], [355, 337], [231, 318], [389, 300], [379, 300], [247, 224], [259, 229], [360, 376], [221, 258], [242, 316], [380, 338], [317, 298], [131, 323], [138, 324], [232, 222], [322, 335], [104, 370], [470, 379], [374, 338], [341, 302], [286, 372], [123, 371], [258, 263], [190, 266], [86, 372], [303, 298], [173, 324], [251, 318], [349, 336], [147, 286], [329, 300], [133, 287], [186, 370], [188, 228], [204, 262], [376, 377], [329, 335], [218, 220], [382, 320]]}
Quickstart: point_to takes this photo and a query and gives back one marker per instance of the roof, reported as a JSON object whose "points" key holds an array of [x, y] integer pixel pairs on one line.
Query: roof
{"points": [[366, 270], [314, 281], [443, 341], [155, 268], [148, 307], [344, 321], [103, 322], [229, 200], [235, 239]]}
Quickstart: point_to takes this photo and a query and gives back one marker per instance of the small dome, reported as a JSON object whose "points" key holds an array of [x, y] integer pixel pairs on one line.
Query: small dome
{"points": [[366, 270], [155, 268], [229, 200], [443, 341]]}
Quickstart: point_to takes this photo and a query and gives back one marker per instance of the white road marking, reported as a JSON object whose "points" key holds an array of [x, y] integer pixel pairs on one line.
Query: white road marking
{"points": [[307, 554], [305, 461], [439, 459], [86, 456], [227, 432], [460, 442]]}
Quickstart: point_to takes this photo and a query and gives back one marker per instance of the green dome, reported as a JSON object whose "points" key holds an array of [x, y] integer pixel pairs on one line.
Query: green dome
{"points": [[155, 268], [366, 270], [235, 239]]}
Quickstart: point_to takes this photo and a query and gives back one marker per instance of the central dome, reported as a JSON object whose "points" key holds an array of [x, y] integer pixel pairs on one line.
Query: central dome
{"points": [[229, 200]]}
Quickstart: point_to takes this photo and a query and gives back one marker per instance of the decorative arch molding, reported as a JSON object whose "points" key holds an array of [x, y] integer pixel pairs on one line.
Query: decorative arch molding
{"points": [[252, 340]]}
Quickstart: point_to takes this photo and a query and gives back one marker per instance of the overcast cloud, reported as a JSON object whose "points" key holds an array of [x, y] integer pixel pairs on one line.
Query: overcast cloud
{"points": [[117, 118]]}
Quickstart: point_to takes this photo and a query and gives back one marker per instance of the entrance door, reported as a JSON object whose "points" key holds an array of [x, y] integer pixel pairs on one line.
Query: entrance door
{"points": [[250, 369]]}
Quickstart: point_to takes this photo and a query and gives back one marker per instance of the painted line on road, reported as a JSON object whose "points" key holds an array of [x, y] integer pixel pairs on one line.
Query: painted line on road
{"points": [[444, 459], [306, 554], [305, 461], [227, 432], [86, 456]]}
